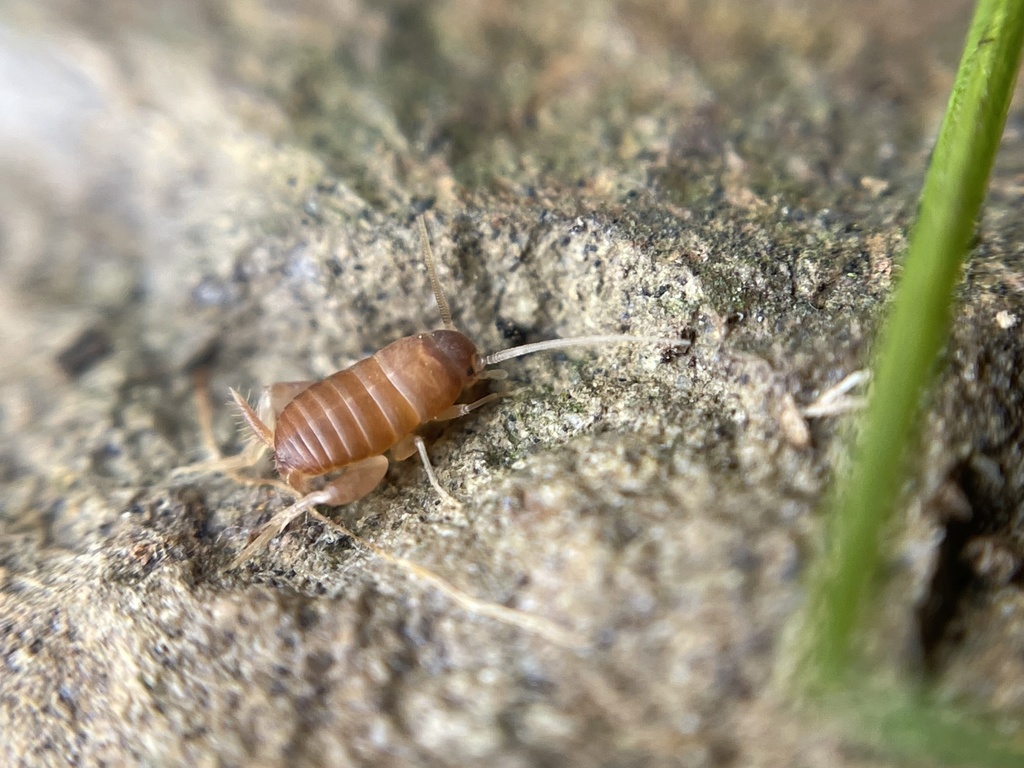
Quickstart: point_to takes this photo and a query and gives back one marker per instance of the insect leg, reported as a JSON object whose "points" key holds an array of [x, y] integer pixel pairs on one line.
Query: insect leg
{"points": [[277, 524], [461, 409], [272, 400], [356, 481], [414, 443]]}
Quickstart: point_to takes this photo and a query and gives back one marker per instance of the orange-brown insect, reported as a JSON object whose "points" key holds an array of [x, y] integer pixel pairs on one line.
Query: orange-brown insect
{"points": [[346, 422]]}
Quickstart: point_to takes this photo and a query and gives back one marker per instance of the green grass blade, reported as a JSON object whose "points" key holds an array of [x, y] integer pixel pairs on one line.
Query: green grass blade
{"points": [[921, 729], [914, 335], [913, 725]]}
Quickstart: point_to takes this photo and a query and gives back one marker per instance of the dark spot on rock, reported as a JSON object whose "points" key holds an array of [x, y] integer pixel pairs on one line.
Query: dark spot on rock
{"points": [[88, 348]]}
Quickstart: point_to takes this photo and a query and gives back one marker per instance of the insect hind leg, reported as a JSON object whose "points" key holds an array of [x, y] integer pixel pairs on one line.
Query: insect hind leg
{"points": [[356, 481], [261, 420]]}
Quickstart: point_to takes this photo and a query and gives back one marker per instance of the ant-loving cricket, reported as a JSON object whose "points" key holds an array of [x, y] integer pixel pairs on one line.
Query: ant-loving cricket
{"points": [[342, 426]]}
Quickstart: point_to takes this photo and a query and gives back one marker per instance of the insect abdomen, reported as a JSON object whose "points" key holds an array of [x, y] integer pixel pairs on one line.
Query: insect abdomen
{"points": [[365, 409]]}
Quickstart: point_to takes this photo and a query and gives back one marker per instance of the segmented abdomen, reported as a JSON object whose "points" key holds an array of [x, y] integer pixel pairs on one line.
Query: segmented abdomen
{"points": [[365, 409]]}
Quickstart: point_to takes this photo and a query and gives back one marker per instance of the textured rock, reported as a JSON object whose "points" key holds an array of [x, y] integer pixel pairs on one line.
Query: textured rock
{"points": [[232, 187]]}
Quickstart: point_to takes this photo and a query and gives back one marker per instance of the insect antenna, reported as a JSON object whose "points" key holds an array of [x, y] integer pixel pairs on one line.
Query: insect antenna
{"points": [[574, 341], [428, 258]]}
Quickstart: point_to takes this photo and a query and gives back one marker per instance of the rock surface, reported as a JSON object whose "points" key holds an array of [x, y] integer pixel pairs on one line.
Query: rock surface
{"points": [[231, 188]]}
